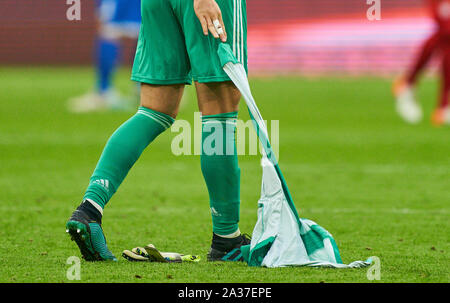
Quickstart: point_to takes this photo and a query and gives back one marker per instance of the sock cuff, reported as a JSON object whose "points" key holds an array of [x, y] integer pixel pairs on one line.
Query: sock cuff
{"points": [[164, 120], [221, 117], [96, 205], [233, 235]]}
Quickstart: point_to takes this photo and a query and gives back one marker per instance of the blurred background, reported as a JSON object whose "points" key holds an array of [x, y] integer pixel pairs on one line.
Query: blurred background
{"points": [[284, 36]]}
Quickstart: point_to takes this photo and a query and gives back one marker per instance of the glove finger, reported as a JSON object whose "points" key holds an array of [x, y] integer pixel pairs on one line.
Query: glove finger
{"points": [[131, 256], [148, 252], [140, 251], [155, 254], [190, 258]]}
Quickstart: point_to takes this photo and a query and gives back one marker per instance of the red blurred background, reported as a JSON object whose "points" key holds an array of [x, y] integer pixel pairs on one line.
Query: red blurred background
{"points": [[284, 36]]}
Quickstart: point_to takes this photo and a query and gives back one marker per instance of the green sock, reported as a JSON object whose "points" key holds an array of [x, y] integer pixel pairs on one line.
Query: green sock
{"points": [[122, 151], [220, 169]]}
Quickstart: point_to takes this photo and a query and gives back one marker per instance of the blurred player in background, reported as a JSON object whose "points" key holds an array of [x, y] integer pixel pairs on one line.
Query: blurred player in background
{"points": [[117, 20], [437, 43]]}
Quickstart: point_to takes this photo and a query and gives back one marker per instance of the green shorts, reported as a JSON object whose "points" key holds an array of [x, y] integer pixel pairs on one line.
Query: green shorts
{"points": [[172, 48]]}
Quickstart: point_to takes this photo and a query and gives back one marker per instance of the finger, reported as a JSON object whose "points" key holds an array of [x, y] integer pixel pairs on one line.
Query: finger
{"points": [[204, 25], [223, 35], [219, 29], [212, 28]]}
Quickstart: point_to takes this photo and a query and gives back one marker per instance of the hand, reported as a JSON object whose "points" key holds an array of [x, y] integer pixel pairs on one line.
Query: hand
{"points": [[210, 16]]}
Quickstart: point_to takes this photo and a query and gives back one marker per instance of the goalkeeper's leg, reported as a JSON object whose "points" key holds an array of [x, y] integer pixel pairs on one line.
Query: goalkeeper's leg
{"points": [[159, 107], [219, 104]]}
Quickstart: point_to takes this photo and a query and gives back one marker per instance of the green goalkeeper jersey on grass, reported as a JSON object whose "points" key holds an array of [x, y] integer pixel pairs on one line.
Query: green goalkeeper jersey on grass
{"points": [[172, 48]]}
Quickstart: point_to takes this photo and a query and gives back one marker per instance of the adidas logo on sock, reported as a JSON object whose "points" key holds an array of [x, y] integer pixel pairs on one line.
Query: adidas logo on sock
{"points": [[215, 213], [102, 182]]}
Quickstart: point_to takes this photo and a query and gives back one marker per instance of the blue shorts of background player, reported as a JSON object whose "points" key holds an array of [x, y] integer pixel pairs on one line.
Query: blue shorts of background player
{"points": [[119, 18]]}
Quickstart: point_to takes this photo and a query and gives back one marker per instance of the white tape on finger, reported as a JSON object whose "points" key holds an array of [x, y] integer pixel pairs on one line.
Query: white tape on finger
{"points": [[218, 27]]}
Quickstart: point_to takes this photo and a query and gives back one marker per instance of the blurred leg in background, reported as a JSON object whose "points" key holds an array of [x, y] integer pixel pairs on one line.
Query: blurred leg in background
{"points": [[427, 50], [403, 88], [117, 20], [441, 114]]}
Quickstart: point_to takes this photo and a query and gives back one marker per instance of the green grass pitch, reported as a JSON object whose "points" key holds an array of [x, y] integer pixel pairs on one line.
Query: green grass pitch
{"points": [[378, 185]]}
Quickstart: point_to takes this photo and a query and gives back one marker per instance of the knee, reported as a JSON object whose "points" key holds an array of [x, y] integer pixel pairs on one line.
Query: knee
{"points": [[218, 98], [162, 98], [235, 95]]}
